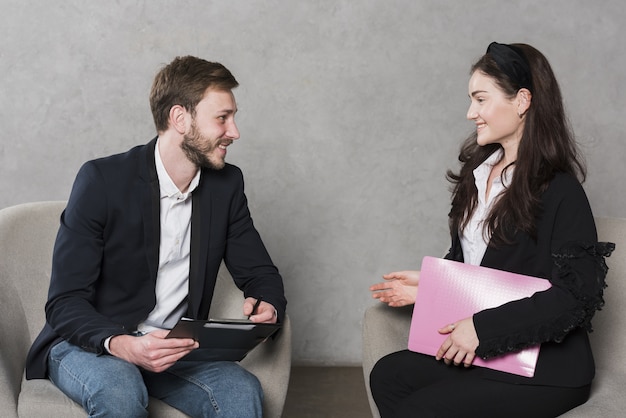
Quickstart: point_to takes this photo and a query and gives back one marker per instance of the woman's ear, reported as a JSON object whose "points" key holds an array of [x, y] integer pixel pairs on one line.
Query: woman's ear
{"points": [[524, 98]]}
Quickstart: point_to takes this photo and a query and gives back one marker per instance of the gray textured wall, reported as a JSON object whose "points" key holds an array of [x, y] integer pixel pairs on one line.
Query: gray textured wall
{"points": [[350, 113]]}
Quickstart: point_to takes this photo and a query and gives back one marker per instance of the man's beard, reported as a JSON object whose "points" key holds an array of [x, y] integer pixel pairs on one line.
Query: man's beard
{"points": [[198, 148]]}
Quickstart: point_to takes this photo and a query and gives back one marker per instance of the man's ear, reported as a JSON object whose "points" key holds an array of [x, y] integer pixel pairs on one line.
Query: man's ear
{"points": [[524, 98], [178, 119]]}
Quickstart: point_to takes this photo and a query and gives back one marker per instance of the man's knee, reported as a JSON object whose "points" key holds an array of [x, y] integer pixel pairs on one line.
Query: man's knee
{"points": [[102, 385], [247, 383], [254, 386], [130, 400], [242, 394]]}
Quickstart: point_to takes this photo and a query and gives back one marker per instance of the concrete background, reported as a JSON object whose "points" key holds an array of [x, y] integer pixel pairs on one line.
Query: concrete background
{"points": [[350, 114]]}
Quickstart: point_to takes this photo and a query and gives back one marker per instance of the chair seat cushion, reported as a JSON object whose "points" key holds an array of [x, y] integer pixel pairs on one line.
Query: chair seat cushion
{"points": [[607, 397], [41, 395]]}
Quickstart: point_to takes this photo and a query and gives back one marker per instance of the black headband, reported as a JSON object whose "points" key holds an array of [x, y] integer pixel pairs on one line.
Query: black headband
{"points": [[513, 63]]}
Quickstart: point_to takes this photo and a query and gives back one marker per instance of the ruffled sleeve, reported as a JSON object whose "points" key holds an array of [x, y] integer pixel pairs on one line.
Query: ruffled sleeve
{"points": [[579, 270], [571, 263]]}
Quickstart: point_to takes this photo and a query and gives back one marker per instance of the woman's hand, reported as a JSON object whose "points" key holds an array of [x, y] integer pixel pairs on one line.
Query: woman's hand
{"points": [[398, 289], [460, 346]]}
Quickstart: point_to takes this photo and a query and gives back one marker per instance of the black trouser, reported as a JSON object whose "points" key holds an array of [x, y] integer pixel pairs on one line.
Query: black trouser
{"points": [[408, 384]]}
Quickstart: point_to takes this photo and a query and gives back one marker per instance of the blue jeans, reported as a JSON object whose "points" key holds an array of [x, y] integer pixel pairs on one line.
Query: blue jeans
{"points": [[107, 386]]}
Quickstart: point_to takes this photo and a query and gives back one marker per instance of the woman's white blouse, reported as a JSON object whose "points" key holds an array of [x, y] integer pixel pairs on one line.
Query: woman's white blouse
{"points": [[474, 239]]}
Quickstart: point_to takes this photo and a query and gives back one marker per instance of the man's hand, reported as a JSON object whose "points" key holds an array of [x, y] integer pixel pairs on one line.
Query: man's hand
{"points": [[399, 288], [152, 352], [264, 313], [460, 346]]}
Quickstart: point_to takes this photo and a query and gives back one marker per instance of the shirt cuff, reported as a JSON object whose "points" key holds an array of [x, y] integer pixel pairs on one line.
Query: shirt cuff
{"points": [[106, 344]]}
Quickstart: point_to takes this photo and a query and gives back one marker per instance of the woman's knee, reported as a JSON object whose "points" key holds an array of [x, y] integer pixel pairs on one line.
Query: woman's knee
{"points": [[382, 372]]}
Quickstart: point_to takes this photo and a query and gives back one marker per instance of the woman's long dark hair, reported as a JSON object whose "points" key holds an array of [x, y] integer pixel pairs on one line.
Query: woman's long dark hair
{"points": [[547, 147]]}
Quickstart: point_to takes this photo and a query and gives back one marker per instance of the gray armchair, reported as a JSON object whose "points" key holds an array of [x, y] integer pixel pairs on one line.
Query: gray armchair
{"points": [[386, 330], [27, 234]]}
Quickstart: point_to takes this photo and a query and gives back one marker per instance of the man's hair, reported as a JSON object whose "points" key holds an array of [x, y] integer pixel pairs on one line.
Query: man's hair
{"points": [[184, 82]]}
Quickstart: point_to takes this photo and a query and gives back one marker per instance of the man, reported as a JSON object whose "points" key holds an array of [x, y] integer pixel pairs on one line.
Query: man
{"points": [[139, 246]]}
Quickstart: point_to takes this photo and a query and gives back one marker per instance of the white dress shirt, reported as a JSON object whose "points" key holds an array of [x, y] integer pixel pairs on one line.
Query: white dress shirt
{"points": [[172, 284], [474, 239]]}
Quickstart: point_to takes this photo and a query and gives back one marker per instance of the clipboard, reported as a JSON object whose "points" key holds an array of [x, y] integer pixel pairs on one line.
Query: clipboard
{"points": [[451, 290], [222, 339]]}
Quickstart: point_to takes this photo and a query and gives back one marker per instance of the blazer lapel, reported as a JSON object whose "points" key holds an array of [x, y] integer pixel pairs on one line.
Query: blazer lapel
{"points": [[150, 206], [200, 229]]}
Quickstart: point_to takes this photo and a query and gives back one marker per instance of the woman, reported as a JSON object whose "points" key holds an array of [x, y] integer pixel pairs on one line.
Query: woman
{"points": [[517, 205]]}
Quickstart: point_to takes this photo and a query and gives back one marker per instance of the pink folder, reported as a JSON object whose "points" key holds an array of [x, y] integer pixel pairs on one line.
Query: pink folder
{"points": [[450, 291]]}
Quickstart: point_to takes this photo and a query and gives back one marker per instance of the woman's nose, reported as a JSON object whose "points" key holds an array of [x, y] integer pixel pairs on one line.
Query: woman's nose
{"points": [[471, 113]]}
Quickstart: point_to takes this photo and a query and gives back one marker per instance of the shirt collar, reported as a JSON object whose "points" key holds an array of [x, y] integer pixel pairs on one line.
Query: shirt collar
{"points": [[481, 173]]}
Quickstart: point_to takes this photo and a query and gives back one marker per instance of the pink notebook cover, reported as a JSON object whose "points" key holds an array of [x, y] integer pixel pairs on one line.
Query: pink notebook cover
{"points": [[450, 291]]}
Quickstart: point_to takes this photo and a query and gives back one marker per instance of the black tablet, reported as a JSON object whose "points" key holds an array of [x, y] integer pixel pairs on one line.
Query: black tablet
{"points": [[222, 339]]}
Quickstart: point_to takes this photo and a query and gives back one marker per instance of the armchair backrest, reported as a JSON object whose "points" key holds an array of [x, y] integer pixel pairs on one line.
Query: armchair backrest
{"points": [[608, 338], [27, 234]]}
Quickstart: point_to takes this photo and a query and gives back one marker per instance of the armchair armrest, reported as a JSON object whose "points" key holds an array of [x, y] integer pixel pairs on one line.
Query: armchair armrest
{"points": [[14, 344], [385, 330]]}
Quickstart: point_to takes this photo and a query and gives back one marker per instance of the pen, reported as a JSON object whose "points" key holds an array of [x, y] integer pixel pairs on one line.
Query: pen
{"points": [[256, 306]]}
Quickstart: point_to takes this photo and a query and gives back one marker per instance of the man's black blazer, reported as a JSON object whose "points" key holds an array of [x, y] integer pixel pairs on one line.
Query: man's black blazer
{"points": [[106, 254]]}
